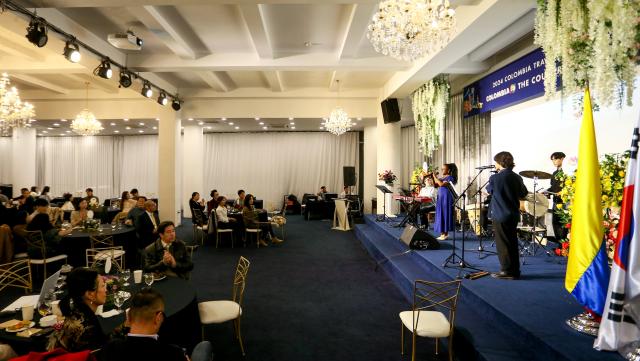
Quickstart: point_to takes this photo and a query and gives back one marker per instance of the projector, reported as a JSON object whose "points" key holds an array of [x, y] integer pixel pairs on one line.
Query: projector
{"points": [[125, 41]]}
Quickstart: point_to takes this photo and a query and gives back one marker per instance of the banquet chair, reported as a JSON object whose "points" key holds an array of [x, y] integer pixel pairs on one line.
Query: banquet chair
{"points": [[199, 225], [119, 218], [16, 274], [97, 256], [107, 242], [255, 232], [218, 231], [216, 312], [425, 319], [35, 239]]}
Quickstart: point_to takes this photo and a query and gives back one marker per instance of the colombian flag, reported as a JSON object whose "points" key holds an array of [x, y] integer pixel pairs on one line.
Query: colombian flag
{"points": [[587, 269]]}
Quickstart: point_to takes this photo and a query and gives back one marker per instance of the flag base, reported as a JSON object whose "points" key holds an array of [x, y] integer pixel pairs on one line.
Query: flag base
{"points": [[584, 323], [631, 351]]}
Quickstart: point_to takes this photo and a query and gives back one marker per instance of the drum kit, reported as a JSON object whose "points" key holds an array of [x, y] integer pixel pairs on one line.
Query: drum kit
{"points": [[535, 205]]}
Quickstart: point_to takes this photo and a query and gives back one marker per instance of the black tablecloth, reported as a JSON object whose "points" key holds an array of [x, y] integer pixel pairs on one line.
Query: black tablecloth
{"points": [[181, 327], [77, 242]]}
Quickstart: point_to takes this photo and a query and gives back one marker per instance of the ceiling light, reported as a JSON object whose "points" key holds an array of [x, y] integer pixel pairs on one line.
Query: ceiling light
{"points": [[158, 119], [200, 123], [71, 51], [290, 118], [56, 124], [146, 90], [321, 128], [292, 123], [358, 119], [37, 33], [140, 131], [257, 118], [50, 128], [293, 127], [68, 131], [237, 127], [44, 131], [162, 99], [116, 131], [223, 119], [208, 128], [265, 128], [125, 119], [104, 70], [176, 104], [155, 128], [141, 124], [190, 119], [230, 123], [113, 124], [63, 120], [128, 128], [125, 79], [261, 123]]}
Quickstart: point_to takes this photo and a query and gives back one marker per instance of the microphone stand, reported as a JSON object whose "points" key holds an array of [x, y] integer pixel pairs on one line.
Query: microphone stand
{"points": [[481, 249]]}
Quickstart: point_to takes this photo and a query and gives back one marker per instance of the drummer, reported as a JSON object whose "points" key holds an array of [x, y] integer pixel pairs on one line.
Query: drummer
{"points": [[556, 187]]}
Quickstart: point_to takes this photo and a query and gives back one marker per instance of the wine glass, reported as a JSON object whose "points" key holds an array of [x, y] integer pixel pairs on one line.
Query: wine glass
{"points": [[148, 279], [126, 274], [45, 306], [118, 300]]}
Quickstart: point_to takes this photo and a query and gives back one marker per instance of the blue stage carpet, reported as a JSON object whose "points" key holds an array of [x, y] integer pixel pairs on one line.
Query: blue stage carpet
{"points": [[497, 319]]}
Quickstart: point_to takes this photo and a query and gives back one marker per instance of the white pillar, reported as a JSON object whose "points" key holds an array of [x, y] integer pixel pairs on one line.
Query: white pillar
{"points": [[193, 165], [389, 158], [370, 167], [23, 160], [168, 163]]}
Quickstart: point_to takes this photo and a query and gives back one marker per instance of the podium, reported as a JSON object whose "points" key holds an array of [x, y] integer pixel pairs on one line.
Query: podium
{"points": [[341, 215]]}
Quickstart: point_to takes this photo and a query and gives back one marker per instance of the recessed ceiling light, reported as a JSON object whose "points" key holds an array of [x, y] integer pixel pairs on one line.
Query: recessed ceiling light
{"points": [[182, 128], [290, 118], [128, 128], [208, 127], [358, 118], [113, 124], [68, 131], [237, 127], [321, 127], [223, 119], [265, 128], [44, 131], [126, 119], [190, 119], [257, 118], [50, 128], [293, 127], [141, 124], [293, 123], [116, 131], [56, 124], [63, 120], [140, 131], [261, 123], [62, 135], [155, 128], [230, 123], [158, 119], [200, 123]]}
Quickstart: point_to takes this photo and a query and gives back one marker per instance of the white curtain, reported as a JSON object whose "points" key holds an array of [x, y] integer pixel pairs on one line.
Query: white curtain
{"points": [[411, 155], [5, 160], [271, 165], [107, 164]]}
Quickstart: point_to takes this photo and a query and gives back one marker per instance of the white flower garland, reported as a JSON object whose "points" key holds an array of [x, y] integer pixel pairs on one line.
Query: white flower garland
{"points": [[429, 103], [595, 42]]}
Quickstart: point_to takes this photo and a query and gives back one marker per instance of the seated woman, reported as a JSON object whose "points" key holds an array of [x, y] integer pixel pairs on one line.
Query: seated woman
{"points": [[45, 193], [196, 203], [126, 202], [213, 203], [224, 222], [68, 204], [51, 235], [250, 216], [82, 214], [81, 329]]}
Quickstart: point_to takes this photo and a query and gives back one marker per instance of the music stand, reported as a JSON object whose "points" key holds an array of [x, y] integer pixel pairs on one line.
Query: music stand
{"points": [[481, 251], [454, 260], [384, 191]]}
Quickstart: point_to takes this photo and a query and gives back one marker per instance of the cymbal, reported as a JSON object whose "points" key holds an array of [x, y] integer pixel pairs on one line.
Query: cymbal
{"points": [[535, 174]]}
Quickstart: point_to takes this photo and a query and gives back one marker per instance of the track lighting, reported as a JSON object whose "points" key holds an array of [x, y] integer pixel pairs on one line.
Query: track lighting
{"points": [[146, 90], [104, 70], [162, 99], [175, 104], [72, 52], [125, 79], [37, 33]]}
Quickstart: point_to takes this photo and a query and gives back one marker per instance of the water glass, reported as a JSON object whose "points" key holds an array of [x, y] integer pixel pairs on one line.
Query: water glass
{"points": [[148, 279], [118, 300], [126, 274]]}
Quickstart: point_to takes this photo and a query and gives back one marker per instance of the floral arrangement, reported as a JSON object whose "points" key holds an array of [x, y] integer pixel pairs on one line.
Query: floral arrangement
{"points": [[429, 104], [93, 203], [612, 177], [387, 176], [415, 174], [114, 285], [590, 42]]}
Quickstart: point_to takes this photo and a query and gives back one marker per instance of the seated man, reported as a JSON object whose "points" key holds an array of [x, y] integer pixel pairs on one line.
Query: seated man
{"points": [[41, 205], [90, 198], [168, 255], [345, 192], [323, 191], [239, 202], [136, 211], [144, 319], [147, 225], [25, 201]]}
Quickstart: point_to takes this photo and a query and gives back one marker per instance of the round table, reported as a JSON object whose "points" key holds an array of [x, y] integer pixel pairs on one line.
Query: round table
{"points": [[77, 242]]}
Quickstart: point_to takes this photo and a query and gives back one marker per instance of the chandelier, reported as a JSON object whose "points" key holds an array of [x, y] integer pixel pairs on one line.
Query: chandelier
{"points": [[338, 122], [411, 29], [85, 122], [13, 112]]}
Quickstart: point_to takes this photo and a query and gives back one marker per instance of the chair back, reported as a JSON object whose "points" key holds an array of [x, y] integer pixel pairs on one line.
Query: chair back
{"points": [[98, 241], [98, 256], [435, 296], [198, 217], [16, 274], [35, 239], [240, 279], [55, 215]]}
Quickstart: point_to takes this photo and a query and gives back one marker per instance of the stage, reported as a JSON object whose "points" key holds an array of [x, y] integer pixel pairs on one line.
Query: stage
{"points": [[495, 319]]}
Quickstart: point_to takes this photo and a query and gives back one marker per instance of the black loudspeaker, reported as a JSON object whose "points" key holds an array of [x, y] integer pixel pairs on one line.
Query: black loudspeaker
{"points": [[349, 176], [390, 110], [418, 239]]}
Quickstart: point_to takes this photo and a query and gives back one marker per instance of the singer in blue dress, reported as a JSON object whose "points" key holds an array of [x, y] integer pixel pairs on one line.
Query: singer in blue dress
{"points": [[445, 221]]}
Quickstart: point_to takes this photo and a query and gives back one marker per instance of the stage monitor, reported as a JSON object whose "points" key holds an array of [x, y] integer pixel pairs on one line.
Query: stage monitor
{"points": [[390, 110]]}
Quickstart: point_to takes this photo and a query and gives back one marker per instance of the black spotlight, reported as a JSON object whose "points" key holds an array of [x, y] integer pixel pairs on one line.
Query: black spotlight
{"points": [[37, 33], [162, 99], [146, 90], [104, 70], [72, 52], [125, 79], [175, 104]]}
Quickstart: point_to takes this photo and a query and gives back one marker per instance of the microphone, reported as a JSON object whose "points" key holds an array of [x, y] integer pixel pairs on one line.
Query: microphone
{"points": [[486, 167]]}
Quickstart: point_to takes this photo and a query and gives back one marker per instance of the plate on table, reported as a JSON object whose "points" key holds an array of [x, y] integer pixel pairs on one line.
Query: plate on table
{"points": [[20, 326]]}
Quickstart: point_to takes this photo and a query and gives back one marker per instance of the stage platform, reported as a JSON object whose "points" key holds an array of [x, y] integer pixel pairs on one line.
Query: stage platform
{"points": [[496, 319]]}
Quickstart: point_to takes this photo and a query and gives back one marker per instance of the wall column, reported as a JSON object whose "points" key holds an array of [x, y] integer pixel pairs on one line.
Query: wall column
{"points": [[169, 139], [23, 160], [193, 163], [370, 176], [389, 155]]}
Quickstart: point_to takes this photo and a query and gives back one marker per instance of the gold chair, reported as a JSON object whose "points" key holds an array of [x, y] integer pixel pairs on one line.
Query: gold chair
{"points": [[16, 274], [35, 240], [199, 225], [220, 231], [120, 217], [215, 312], [97, 256], [107, 242], [425, 319]]}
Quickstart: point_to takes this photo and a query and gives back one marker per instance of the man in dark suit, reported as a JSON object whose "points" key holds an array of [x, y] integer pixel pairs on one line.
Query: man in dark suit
{"points": [[25, 201], [507, 189], [559, 231], [168, 255], [145, 318], [147, 225], [135, 212]]}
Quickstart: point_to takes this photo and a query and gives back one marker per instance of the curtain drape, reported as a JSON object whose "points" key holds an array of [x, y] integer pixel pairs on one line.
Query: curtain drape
{"points": [[411, 155], [5, 160], [271, 165]]}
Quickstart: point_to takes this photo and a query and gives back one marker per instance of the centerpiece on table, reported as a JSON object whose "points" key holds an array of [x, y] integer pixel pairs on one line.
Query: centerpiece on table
{"points": [[387, 177], [90, 225]]}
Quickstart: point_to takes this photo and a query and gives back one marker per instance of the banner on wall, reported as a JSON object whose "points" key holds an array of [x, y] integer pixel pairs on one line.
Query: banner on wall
{"points": [[514, 83]]}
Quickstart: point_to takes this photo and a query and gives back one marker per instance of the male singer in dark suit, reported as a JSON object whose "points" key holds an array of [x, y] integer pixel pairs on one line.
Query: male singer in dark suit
{"points": [[507, 189], [556, 186], [168, 255], [147, 225]]}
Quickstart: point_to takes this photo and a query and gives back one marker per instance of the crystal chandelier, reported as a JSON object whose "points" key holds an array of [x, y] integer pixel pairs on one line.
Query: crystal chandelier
{"points": [[85, 122], [338, 122], [13, 112], [411, 29]]}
